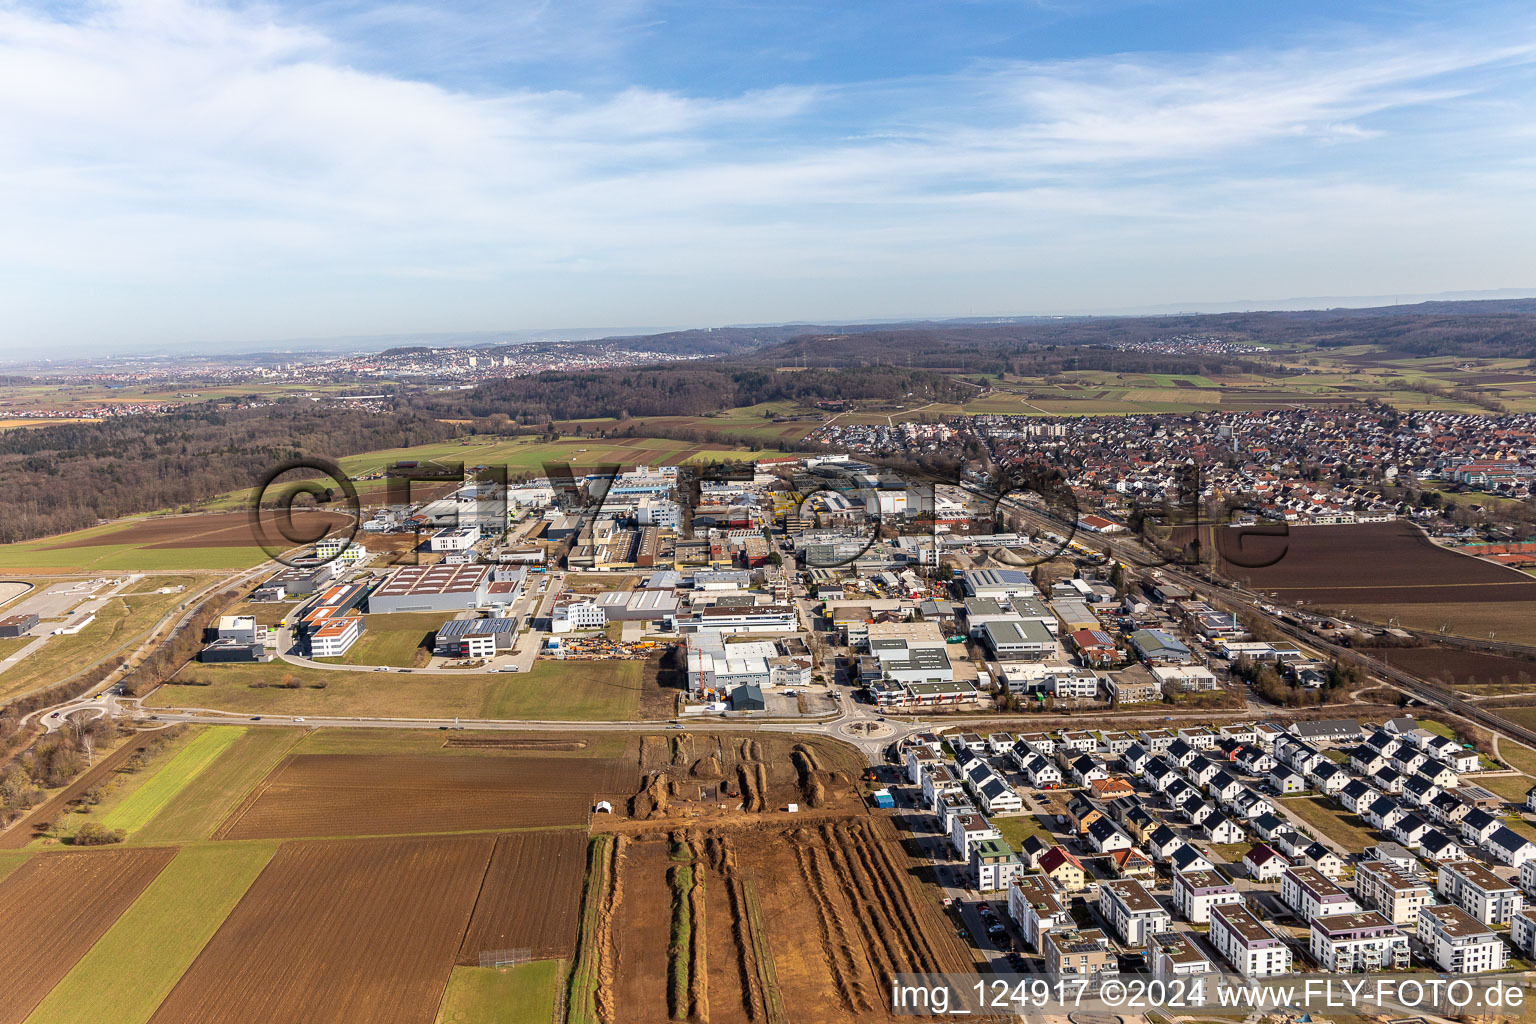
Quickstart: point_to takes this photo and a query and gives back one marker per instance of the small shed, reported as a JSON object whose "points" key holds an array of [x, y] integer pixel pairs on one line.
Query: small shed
{"points": [[883, 798], [748, 698], [604, 807]]}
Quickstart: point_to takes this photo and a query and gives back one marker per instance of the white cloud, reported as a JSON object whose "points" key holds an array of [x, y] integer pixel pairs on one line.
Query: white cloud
{"points": [[171, 156]]}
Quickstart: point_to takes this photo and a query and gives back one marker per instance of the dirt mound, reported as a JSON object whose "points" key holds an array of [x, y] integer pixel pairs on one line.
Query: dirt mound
{"points": [[653, 799], [653, 752], [706, 768], [497, 743]]}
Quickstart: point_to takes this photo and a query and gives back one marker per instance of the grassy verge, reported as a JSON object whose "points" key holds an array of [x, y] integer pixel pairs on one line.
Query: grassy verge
{"points": [[582, 1004], [156, 794], [680, 877], [1520, 758], [520, 994], [208, 798], [10, 860], [1511, 787], [1018, 827], [1342, 827], [127, 974]]}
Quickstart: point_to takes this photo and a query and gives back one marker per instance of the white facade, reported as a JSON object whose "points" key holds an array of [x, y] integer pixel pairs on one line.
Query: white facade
{"points": [[1133, 912], [1244, 942], [1197, 892], [1459, 943]]}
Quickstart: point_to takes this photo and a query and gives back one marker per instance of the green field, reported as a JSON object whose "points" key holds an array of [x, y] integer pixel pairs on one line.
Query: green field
{"points": [[522, 994], [129, 971], [149, 799], [396, 640], [46, 554], [553, 690], [1018, 827], [208, 798], [120, 787], [10, 860], [1522, 759], [1337, 824]]}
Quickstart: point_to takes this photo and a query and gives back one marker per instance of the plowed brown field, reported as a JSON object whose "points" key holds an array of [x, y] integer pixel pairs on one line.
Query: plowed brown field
{"points": [[803, 924], [387, 794], [531, 896], [54, 907], [1369, 563], [349, 932]]}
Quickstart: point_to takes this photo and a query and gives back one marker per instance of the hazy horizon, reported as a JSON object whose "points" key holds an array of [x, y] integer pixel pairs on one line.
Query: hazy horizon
{"points": [[232, 175]]}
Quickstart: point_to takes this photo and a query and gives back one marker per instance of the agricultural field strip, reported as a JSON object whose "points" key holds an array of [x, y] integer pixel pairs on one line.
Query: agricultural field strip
{"points": [[156, 794], [55, 907], [345, 931], [208, 798], [529, 897], [129, 971], [312, 795]]}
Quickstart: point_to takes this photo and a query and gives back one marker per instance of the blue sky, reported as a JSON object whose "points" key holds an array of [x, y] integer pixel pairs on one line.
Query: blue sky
{"points": [[177, 173]]}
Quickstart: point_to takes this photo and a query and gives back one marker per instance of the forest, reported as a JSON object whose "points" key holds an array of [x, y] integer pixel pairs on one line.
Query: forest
{"points": [[691, 389], [69, 476]]}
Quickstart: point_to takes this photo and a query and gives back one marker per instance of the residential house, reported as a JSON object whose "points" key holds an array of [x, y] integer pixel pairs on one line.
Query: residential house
{"points": [[1323, 860], [1247, 944], [1264, 864], [1395, 894], [1310, 895], [1065, 870], [1186, 858], [1221, 829], [1358, 943], [1438, 846], [1459, 943], [1509, 847], [1133, 912], [1287, 782], [1132, 863], [1105, 836], [1195, 893]]}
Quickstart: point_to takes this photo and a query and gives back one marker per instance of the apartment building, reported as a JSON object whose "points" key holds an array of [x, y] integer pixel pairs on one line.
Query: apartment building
{"points": [[1459, 943], [993, 865], [1310, 895], [1480, 892], [1072, 955], [1522, 932], [1133, 912], [1036, 907], [1247, 944], [1358, 943], [1195, 893], [1174, 955], [967, 830], [1394, 893]]}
